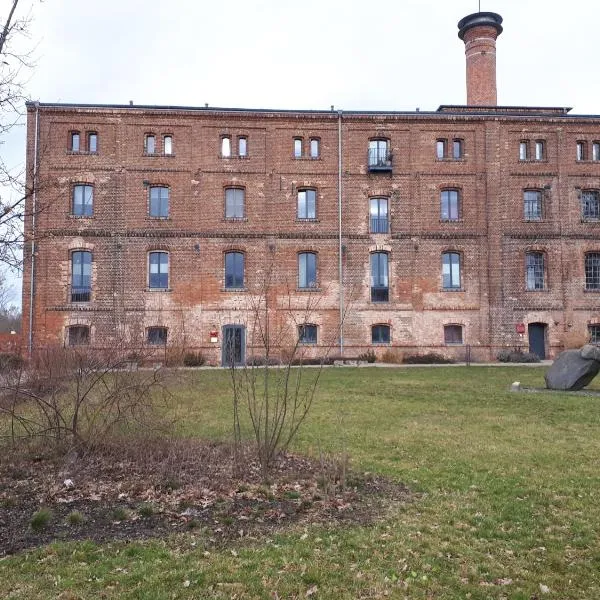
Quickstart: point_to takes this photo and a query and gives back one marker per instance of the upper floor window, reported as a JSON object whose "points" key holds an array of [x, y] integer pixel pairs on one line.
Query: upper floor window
{"points": [[379, 157], [159, 201], [594, 334], [540, 150], [451, 271], [453, 334], [380, 291], [523, 150], [590, 205], [307, 270], [156, 336], [158, 270], [298, 147], [535, 150], [307, 204], [592, 271], [596, 151], [234, 270], [449, 148], [226, 146], [449, 205], [234, 203], [78, 335], [378, 215], [83, 200], [307, 333], [315, 147], [75, 142], [532, 205], [242, 146], [168, 144], [535, 267], [581, 150], [150, 143], [81, 276], [380, 334], [92, 142]]}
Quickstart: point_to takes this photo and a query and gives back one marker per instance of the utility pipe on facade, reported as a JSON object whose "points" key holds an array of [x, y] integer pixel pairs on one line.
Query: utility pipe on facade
{"points": [[33, 210], [340, 246]]}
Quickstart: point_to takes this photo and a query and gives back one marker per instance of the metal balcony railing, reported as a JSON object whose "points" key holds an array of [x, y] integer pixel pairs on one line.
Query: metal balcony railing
{"points": [[80, 294], [380, 159], [380, 294], [379, 225]]}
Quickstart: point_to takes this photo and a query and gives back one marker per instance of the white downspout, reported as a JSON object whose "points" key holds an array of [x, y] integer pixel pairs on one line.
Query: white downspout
{"points": [[33, 211], [340, 247]]}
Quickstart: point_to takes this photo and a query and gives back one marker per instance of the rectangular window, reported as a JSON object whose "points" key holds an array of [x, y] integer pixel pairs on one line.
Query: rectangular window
{"points": [[540, 150], [226, 146], [315, 148], [307, 270], [75, 141], [92, 142], [81, 276], [297, 147], [380, 291], [79, 335], [378, 215], [453, 334], [158, 277], [581, 151], [234, 203], [150, 144], [440, 149], [307, 204], [83, 200], [168, 144], [590, 205], [243, 146], [532, 205], [535, 278], [379, 156], [592, 271], [451, 270], [234, 270], [596, 151], [159, 201], [156, 336], [457, 149], [380, 334], [449, 205], [307, 334], [594, 333], [523, 150]]}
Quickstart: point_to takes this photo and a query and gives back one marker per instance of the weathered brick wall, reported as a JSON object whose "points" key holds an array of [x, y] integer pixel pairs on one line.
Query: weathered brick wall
{"points": [[491, 234]]}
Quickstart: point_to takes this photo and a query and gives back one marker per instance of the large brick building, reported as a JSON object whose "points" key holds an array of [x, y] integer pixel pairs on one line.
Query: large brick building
{"points": [[472, 226]]}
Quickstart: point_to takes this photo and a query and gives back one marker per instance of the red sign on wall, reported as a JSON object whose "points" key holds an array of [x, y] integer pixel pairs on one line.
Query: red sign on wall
{"points": [[520, 327]]}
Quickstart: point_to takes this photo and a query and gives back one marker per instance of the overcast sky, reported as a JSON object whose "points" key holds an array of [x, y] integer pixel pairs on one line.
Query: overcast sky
{"points": [[382, 54]]}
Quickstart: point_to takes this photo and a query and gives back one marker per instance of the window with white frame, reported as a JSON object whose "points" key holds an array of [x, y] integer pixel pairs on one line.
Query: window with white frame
{"points": [[158, 270]]}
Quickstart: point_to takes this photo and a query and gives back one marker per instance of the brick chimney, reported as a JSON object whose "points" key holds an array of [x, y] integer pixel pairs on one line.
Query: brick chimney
{"points": [[479, 32]]}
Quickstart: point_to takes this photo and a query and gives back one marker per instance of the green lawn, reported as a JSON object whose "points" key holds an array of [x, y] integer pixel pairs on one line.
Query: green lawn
{"points": [[506, 507]]}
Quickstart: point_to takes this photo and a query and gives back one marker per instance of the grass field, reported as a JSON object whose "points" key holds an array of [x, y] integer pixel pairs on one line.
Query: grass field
{"points": [[506, 504]]}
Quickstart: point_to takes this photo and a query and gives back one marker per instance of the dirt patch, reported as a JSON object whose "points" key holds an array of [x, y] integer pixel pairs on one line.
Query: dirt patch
{"points": [[157, 489]]}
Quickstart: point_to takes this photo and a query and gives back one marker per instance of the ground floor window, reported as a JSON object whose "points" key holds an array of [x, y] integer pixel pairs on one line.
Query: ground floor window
{"points": [[307, 334], [453, 334], [594, 333], [380, 334], [79, 335], [157, 336]]}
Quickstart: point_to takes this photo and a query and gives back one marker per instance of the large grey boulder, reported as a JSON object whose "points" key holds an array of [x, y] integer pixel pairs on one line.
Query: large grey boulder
{"points": [[571, 371], [591, 352]]}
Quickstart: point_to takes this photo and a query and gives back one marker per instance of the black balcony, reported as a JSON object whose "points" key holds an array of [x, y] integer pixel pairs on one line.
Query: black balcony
{"points": [[380, 159], [80, 294], [380, 294], [379, 225]]}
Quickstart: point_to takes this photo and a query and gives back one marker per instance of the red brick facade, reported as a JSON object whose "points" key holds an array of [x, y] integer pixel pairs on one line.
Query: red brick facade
{"points": [[453, 181]]}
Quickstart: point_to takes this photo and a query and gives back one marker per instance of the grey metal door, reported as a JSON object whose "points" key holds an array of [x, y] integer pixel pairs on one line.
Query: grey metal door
{"points": [[537, 339], [233, 351]]}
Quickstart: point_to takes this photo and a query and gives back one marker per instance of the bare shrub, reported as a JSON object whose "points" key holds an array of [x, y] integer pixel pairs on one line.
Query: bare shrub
{"points": [[71, 398], [392, 357]]}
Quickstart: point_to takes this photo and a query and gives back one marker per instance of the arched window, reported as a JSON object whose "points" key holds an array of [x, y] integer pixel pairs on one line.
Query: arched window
{"points": [[149, 143], [92, 140], [450, 205], [307, 270], [378, 215], [74, 141], [451, 265], [380, 158], [81, 276], [158, 270], [234, 270], [83, 200]]}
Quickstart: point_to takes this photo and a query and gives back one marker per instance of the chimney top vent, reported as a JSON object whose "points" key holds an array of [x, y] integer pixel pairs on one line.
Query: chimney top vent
{"points": [[480, 19]]}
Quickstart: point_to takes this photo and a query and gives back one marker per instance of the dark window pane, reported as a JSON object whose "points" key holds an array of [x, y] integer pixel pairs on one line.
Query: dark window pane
{"points": [[157, 336], [453, 334], [234, 270], [79, 335], [379, 277], [81, 276], [159, 270], [592, 271], [590, 205], [534, 262], [380, 334], [532, 205], [307, 334], [594, 332]]}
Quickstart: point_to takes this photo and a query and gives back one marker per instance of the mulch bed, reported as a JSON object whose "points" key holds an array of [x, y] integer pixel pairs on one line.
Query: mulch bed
{"points": [[160, 488]]}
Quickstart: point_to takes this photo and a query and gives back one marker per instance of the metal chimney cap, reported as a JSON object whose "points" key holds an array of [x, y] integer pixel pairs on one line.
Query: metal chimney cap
{"points": [[479, 19]]}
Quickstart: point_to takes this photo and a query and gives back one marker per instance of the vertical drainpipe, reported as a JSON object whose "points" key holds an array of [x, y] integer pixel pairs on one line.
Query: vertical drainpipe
{"points": [[340, 247], [33, 209]]}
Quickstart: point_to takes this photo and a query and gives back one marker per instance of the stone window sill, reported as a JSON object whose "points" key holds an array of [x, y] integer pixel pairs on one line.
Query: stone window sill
{"points": [[153, 290], [234, 219], [234, 290], [234, 157], [300, 220], [533, 160], [460, 289], [158, 155], [81, 153], [452, 220], [79, 217], [308, 289]]}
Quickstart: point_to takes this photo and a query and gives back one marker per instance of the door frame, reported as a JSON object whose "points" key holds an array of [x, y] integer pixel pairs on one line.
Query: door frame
{"points": [[230, 327], [544, 327]]}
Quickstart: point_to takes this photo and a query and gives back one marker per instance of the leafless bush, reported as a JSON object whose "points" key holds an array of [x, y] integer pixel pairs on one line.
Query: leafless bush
{"points": [[71, 398]]}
